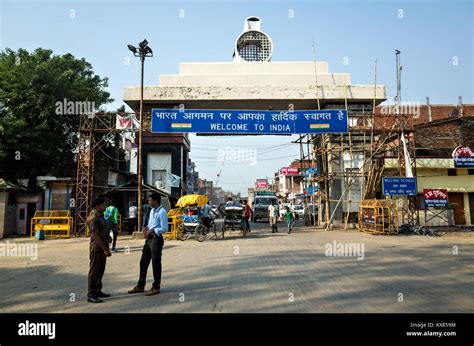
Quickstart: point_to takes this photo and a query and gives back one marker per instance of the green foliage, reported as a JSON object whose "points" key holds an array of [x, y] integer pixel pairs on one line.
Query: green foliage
{"points": [[34, 138]]}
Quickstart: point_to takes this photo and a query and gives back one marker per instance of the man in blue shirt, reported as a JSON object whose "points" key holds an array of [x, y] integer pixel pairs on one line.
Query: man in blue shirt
{"points": [[153, 232]]}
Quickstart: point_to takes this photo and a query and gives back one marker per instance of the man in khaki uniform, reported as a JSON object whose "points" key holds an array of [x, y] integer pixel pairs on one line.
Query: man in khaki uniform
{"points": [[99, 250]]}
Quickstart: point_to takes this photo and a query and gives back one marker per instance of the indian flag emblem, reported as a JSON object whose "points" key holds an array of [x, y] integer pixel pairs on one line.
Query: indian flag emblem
{"points": [[319, 126], [181, 126]]}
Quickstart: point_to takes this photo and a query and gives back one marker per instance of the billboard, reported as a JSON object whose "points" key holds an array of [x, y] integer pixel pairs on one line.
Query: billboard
{"points": [[435, 198], [399, 186], [231, 121], [261, 184], [463, 157], [289, 171]]}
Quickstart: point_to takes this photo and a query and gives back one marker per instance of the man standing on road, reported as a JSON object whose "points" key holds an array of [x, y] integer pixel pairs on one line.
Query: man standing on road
{"points": [[153, 232], [112, 217], [247, 213], [132, 214], [273, 216], [98, 251], [289, 217]]}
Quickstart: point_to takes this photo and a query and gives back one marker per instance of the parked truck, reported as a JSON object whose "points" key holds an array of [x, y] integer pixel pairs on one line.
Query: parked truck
{"points": [[260, 201]]}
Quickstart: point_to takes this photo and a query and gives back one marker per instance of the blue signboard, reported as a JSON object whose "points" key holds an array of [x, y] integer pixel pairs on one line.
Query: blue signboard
{"points": [[248, 121], [399, 186], [311, 190], [311, 170]]}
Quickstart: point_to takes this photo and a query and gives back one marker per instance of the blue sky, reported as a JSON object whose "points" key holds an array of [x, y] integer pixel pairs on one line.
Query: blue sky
{"points": [[435, 37]]}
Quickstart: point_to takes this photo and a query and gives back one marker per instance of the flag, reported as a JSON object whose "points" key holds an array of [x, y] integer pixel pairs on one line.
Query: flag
{"points": [[124, 123], [408, 171], [174, 180]]}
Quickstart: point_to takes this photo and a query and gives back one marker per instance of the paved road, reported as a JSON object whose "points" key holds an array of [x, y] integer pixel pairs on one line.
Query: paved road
{"points": [[263, 273]]}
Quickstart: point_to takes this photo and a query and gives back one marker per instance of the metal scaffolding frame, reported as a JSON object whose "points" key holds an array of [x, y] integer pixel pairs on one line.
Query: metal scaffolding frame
{"points": [[369, 138], [95, 129]]}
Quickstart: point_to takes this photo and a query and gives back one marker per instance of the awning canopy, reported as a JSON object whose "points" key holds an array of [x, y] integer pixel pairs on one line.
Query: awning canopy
{"points": [[132, 185], [6, 185]]}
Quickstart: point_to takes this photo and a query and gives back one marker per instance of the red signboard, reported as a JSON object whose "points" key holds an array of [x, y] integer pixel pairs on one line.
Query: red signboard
{"points": [[289, 171], [261, 183], [435, 198], [463, 157]]}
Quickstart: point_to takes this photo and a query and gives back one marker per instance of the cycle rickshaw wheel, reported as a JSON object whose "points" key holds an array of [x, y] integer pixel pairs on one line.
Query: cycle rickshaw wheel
{"points": [[200, 233]]}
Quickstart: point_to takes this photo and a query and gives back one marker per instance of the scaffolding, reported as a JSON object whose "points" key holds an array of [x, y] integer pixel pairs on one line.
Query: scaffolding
{"points": [[351, 165], [95, 129]]}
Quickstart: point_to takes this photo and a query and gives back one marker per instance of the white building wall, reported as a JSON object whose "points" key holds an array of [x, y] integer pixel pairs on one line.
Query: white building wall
{"points": [[159, 162]]}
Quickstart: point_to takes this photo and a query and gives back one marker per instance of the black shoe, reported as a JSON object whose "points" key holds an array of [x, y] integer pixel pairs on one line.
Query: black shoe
{"points": [[102, 295], [93, 299]]}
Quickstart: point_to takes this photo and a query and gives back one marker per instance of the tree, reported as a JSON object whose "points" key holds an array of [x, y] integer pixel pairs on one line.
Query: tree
{"points": [[41, 98]]}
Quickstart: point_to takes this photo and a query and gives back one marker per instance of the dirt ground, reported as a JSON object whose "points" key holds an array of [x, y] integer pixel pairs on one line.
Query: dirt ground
{"points": [[264, 272]]}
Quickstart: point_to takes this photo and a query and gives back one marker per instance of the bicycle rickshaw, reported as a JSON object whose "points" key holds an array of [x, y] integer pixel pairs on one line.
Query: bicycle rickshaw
{"points": [[190, 207], [234, 218]]}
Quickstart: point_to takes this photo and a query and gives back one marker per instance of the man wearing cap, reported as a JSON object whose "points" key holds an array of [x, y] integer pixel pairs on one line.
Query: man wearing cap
{"points": [[98, 250]]}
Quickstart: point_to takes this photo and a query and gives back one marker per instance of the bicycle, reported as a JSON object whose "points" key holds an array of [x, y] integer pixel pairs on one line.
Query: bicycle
{"points": [[201, 231]]}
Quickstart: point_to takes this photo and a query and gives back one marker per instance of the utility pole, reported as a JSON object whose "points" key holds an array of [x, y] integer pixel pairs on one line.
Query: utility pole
{"points": [[142, 51]]}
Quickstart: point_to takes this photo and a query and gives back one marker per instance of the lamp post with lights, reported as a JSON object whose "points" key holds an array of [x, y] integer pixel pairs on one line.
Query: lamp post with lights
{"points": [[142, 51]]}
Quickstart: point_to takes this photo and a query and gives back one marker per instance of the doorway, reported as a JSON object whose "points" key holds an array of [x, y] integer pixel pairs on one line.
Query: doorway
{"points": [[457, 201], [471, 206]]}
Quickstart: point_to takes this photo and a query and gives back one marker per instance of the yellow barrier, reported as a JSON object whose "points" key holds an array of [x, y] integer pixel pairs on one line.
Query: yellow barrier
{"points": [[378, 216], [175, 221], [54, 223]]}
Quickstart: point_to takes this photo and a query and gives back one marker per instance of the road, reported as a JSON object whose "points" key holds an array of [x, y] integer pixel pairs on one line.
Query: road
{"points": [[264, 272]]}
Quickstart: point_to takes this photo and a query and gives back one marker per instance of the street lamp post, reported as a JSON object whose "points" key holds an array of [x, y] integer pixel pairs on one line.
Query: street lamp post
{"points": [[142, 51]]}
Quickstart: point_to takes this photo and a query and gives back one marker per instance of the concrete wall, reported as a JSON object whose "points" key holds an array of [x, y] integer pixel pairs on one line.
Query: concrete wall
{"points": [[158, 161], [3, 207], [439, 179]]}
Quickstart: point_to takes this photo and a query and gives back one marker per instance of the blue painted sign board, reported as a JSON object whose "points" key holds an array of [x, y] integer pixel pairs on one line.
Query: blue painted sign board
{"points": [[311, 170], [311, 190], [399, 186], [221, 121]]}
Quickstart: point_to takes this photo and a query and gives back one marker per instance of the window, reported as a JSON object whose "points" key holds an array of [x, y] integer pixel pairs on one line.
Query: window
{"points": [[470, 171], [452, 172]]}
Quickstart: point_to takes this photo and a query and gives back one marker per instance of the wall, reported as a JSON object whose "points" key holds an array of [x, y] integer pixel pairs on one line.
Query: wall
{"points": [[352, 163], [60, 195], [176, 161], [438, 178], [7, 216], [3, 207], [158, 161], [441, 137]]}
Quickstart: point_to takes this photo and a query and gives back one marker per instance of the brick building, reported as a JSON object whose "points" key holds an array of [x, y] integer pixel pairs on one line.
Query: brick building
{"points": [[438, 130]]}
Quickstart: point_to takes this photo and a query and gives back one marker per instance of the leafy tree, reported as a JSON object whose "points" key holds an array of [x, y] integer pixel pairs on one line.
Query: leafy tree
{"points": [[38, 126]]}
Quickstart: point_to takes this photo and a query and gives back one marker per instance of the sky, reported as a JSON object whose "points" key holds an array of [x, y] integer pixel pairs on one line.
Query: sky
{"points": [[435, 38]]}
